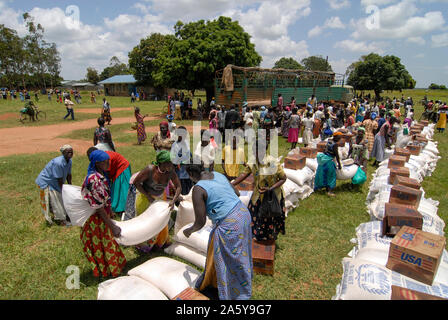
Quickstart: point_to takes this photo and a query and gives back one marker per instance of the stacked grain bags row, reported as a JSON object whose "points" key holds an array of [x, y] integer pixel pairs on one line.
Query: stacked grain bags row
{"points": [[365, 275]]}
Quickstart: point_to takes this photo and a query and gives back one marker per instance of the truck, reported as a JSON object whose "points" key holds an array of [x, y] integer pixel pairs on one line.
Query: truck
{"points": [[258, 86]]}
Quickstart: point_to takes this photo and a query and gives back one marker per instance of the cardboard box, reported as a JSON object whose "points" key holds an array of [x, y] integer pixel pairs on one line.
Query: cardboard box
{"points": [[399, 293], [404, 195], [295, 162], [321, 146], [403, 152], [413, 131], [398, 215], [407, 182], [424, 122], [416, 254], [190, 294], [418, 126], [414, 149], [396, 161], [308, 152], [263, 258], [403, 171], [246, 185], [420, 138]]}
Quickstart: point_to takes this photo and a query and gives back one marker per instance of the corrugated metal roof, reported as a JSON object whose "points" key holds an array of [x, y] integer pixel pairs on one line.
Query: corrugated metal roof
{"points": [[125, 78]]}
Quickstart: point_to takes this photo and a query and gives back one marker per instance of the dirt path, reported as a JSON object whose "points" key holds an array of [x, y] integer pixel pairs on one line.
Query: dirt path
{"points": [[30, 140], [100, 109]]}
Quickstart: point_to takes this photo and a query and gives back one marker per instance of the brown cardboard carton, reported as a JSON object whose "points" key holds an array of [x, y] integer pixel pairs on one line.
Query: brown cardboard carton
{"points": [[418, 126], [414, 149], [407, 182], [263, 258], [416, 254], [398, 215], [396, 161], [404, 172], [295, 162], [308, 152], [413, 131], [424, 122], [247, 184], [321, 146], [190, 294], [404, 195], [399, 293], [419, 138], [403, 152]]}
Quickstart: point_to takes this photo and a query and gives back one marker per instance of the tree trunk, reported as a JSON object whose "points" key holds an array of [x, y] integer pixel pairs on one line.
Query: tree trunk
{"points": [[377, 94], [210, 93]]}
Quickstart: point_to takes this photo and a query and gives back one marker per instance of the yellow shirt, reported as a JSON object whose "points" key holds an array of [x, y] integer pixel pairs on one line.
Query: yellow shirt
{"points": [[234, 157]]}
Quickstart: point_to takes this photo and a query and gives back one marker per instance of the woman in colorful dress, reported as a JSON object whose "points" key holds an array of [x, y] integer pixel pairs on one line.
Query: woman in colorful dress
{"points": [[153, 183], [162, 140], [294, 124], [106, 113], [285, 126], [359, 149], [371, 125], [141, 131], [441, 123], [382, 140], [98, 232], [326, 167], [102, 138], [308, 124], [268, 176], [228, 267]]}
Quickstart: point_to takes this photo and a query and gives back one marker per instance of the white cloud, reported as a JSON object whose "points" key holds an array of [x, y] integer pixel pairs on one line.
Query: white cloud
{"points": [[339, 66], [317, 30], [360, 47], [440, 40], [399, 21], [330, 23], [338, 4], [419, 56], [416, 40], [366, 3]]}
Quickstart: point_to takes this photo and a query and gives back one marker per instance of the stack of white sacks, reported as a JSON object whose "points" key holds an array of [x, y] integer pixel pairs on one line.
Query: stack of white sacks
{"points": [[365, 275]]}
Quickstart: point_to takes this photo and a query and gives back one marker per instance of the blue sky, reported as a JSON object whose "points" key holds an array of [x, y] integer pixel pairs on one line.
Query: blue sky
{"points": [[344, 30]]}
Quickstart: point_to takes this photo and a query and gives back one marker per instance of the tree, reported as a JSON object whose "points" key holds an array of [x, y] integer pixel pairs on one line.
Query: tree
{"points": [[92, 75], [434, 86], [115, 68], [287, 63], [199, 50], [142, 56], [373, 72], [316, 63]]}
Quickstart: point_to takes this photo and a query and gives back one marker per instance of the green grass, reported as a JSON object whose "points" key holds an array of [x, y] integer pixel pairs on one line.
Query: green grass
{"points": [[34, 256]]}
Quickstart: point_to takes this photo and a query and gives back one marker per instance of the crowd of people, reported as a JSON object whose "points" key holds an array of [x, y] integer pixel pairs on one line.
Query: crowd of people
{"points": [[112, 191]]}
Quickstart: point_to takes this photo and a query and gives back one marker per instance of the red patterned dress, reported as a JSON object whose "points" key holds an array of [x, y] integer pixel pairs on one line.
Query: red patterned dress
{"points": [[101, 249]]}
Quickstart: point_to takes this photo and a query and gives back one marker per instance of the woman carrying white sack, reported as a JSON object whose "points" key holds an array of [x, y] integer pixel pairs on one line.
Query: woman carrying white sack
{"points": [[228, 265]]}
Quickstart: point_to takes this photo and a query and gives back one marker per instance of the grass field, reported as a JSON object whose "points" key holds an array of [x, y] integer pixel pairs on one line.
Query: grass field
{"points": [[34, 257]]}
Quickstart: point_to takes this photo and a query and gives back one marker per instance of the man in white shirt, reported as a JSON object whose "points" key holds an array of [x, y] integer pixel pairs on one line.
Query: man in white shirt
{"points": [[205, 151]]}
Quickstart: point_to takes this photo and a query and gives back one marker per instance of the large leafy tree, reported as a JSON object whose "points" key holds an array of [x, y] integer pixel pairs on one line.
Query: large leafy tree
{"points": [[142, 56], [373, 72], [92, 75], [316, 63], [116, 67], [199, 50], [287, 63]]}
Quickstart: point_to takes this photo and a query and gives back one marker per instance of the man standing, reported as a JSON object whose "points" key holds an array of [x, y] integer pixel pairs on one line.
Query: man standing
{"points": [[69, 106], [50, 182], [232, 119]]}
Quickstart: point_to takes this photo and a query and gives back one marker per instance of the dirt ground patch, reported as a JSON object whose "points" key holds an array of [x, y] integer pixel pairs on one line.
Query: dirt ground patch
{"points": [[30, 140], [7, 116]]}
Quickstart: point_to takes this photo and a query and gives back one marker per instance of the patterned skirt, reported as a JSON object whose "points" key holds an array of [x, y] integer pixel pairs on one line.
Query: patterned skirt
{"points": [[106, 115], [141, 132], [264, 229], [101, 249], [229, 265]]}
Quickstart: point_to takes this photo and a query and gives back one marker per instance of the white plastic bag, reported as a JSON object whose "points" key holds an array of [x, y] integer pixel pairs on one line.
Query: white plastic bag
{"points": [[299, 177], [170, 276], [311, 163], [129, 288], [347, 172], [78, 209], [145, 226], [197, 240], [187, 253]]}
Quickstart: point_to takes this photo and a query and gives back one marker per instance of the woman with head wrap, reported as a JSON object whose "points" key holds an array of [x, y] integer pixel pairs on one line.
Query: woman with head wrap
{"points": [[382, 140], [50, 182], [308, 124], [149, 185], [285, 127], [162, 140], [102, 138], [326, 168], [98, 232], [371, 125]]}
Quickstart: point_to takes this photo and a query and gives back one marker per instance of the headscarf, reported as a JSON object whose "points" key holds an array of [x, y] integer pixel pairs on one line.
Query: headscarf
{"points": [[65, 147], [362, 129], [162, 157], [164, 123], [337, 133], [96, 156], [373, 116]]}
